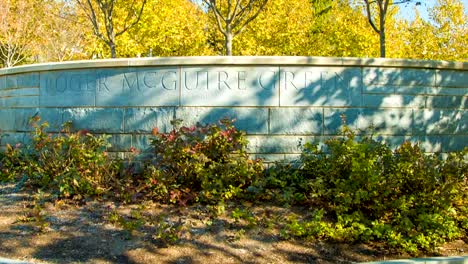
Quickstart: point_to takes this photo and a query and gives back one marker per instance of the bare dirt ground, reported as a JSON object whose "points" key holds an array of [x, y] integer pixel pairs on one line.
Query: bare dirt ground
{"points": [[85, 233]]}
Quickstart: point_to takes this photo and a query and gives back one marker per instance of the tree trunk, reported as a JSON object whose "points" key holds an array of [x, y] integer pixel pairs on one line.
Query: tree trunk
{"points": [[112, 49], [382, 36], [228, 43]]}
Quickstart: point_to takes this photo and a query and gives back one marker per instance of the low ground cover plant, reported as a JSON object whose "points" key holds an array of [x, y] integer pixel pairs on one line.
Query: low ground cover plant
{"points": [[358, 190]]}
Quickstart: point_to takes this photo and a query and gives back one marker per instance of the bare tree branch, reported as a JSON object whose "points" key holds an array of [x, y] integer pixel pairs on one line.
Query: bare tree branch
{"points": [[106, 19], [232, 16], [382, 6], [136, 21], [212, 5], [369, 17], [385, 8], [243, 26]]}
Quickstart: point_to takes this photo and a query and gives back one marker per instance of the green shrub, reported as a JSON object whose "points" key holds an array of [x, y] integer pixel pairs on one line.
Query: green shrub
{"points": [[283, 184], [365, 191], [207, 163], [12, 161], [407, 198], [350, 176], [70, 163]]}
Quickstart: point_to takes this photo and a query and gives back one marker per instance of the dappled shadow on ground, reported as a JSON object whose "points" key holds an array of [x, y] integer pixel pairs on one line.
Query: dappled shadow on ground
{"points": [[332, 253], [83, 240], [103, 245], [83, 234]]}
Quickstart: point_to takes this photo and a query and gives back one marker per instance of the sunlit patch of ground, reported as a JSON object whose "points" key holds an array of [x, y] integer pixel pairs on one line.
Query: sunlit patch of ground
{"points": [[83, 234]]}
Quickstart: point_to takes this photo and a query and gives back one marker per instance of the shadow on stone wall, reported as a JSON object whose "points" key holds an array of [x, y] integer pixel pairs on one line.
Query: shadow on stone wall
{"points": [[279, 107]]}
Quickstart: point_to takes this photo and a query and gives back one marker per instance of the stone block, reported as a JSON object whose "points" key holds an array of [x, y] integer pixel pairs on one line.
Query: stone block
{"points": [[395, 141], [320, 86], [53, 116], [20, 92], [452, 143], [320, 141], [138, 87], [25, 80], [366, 121], [2, 82], [398, 76], [269, 157], [448, 91], [27, 139], [12, 138], [98, 120], [452, 102], [250, 120], [230, 86], [416, 90], [296, 121], [440, 121], [431, 144], [142, 143], [379, 89], [23, 101], [277, 144], [120, 142], [452, 78], [294, 159], [386, 121], [270, 160], [7, 119], [68, 88], [459, 123], [400, 101], [443, 143], [334, 118], [143, 120]]}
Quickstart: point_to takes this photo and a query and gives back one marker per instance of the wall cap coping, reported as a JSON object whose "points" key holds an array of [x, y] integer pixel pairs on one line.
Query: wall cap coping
{"points": [[236, 61]]}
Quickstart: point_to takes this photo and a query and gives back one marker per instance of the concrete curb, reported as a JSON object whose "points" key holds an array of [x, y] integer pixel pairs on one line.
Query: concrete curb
{"points": [[11, 261], [434, 260]]}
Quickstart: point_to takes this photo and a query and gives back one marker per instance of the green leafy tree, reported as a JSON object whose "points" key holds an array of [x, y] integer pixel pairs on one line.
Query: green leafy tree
{"points": [[177, 29], [377, 11], [282, 28], [232, 17], [18, 30], [112, 18], [63, 34], [451, 30], [330, 38], [443, 37]]}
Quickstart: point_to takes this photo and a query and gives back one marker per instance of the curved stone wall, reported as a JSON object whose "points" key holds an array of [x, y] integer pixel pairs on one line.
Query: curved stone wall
{"points": [[281, 102]]}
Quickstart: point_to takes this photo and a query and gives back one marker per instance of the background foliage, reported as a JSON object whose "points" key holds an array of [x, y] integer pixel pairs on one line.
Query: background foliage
{"points": [[58, 31]]}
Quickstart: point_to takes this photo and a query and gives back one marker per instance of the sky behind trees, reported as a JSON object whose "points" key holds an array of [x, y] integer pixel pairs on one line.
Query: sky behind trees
{"points": [[408, 12]]}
